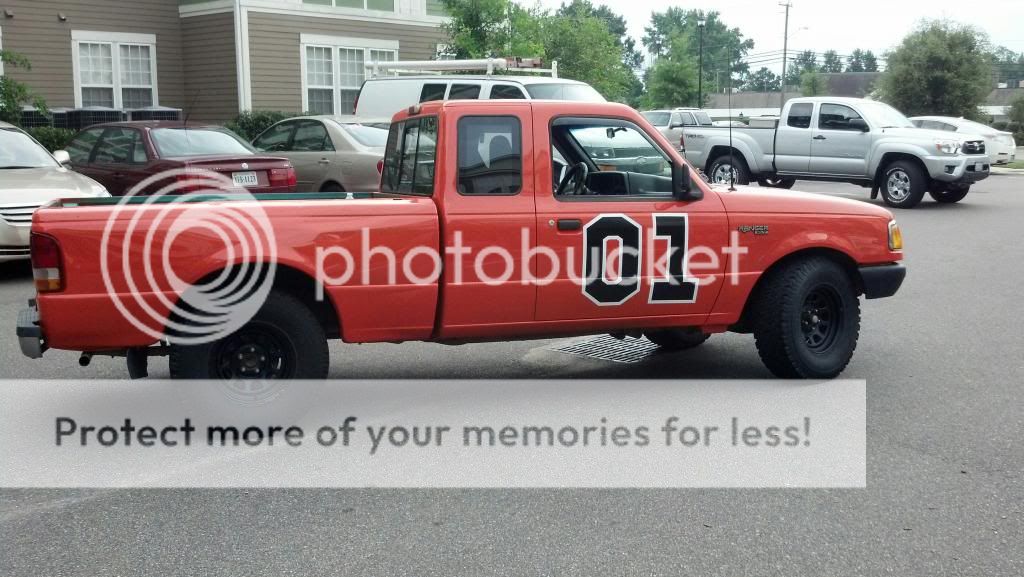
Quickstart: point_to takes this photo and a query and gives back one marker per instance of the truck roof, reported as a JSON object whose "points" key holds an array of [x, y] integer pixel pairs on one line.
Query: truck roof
{"points": [[575, 107], [837, 99]]}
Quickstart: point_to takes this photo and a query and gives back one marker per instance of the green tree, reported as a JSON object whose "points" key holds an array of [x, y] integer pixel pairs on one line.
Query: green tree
{"points": [[722, 45], [14, 94], [855, 63], [806, 61], [477, 28], [941, 68], [763, 80], [672, 81], [632, 59], [812, 84], [870, 61], [587, 51], [832, 62], [1009, 65], [1016, 113]]}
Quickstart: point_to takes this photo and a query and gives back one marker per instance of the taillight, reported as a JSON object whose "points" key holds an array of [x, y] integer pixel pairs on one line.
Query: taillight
{"points": [[283, 177], [190, 183], [46, 263], [380, 166]]}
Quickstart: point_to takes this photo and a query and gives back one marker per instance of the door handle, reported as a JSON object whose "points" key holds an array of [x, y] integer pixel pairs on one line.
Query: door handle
{"points": [[820, 137], [568, 224]]}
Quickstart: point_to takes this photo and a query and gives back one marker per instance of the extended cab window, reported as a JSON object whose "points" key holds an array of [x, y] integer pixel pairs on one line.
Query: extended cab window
{"points": [[490, 155], [837, 117], [409, 158], [800, 115]]}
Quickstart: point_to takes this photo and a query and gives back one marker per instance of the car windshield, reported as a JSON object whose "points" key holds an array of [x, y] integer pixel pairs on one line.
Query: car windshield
{"points": [[564, 91], [18, 150], [886, 116], [374, 135], [656, 118], [182, 142]]}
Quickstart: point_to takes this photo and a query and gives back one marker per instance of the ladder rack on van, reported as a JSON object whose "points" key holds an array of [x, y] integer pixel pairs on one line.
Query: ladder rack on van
{"points": [[488, 65]]}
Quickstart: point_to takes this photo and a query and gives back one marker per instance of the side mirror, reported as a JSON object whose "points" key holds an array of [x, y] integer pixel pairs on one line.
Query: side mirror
{"points": [[62, 157], [682, 188], [859, 124]]}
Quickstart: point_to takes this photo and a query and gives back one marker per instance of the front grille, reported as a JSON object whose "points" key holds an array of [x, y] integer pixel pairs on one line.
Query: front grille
{"points": [[974, 147], [18, 214]]}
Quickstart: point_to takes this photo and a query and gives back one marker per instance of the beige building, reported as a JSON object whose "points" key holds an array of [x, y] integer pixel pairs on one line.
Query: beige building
{"points": [[213, 58]]}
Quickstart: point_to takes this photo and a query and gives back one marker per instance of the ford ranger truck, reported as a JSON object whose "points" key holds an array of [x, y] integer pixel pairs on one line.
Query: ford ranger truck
{"points": [[845, 140], [662, 255]]}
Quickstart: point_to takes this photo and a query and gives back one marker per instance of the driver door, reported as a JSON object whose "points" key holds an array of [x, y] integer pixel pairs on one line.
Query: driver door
{"points": [[626, 249]]}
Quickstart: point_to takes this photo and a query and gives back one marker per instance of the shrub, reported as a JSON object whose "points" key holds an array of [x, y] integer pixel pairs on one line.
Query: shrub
{"points": [[1000, 124], [52, 138], [252, 123]]}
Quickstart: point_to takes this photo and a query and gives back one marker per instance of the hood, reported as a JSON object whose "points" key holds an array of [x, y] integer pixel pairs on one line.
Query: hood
{"points": [[929, 134], [41, 185], [776, 201]]}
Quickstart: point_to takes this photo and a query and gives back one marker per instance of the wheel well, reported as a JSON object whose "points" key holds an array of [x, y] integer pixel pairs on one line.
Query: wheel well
{"points": [[330, 183], [891, 157], [299, 285], [839, 257], [720, 150]]}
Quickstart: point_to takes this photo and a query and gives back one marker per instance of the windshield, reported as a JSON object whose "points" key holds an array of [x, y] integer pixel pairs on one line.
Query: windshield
{"points": [[886, 116], [558, 91], [18, 150], [372, 135], [656, 118], [182, 142]]}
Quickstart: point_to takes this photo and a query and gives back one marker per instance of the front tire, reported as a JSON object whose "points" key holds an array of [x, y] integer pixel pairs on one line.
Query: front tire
{"points": [[950, 195], [718, 172], [806, 320], [903, 184], [677, 339], [283, 340]]}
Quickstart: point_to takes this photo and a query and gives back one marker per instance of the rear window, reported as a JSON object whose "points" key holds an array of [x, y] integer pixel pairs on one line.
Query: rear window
{"points": [[409, 158], [372, 135], [560, 91], [182, 142]]}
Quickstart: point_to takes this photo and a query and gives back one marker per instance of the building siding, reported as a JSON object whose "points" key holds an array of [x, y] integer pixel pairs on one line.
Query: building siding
{"points": [[275, 60], [211, 85], [36, 32]]}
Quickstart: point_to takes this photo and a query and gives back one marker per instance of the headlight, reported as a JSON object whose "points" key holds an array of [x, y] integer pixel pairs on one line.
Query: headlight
{"points": [[895, 236], [947, 146]]}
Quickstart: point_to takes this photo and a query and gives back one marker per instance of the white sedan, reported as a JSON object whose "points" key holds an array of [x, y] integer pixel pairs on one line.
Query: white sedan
{"points": [[30, 177], [1001, 146]]}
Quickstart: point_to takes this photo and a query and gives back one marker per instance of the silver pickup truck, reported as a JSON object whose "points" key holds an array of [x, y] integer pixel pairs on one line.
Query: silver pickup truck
{"points": [[848, 140]]}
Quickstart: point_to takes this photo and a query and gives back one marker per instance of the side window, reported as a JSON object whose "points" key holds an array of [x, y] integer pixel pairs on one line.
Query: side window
{"points": [[947, 127], [506, 91], [490, 155], [800, 115], [276, 138], [677, 119], [464, 92], [836, 117], [433, 92], [409, 158], [687, 119], [309, 137], [80, 148], [118, 146]]}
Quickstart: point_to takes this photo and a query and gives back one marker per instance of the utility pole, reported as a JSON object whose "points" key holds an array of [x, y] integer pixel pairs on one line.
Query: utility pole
{"points": [[700, 73], [785, 50]]}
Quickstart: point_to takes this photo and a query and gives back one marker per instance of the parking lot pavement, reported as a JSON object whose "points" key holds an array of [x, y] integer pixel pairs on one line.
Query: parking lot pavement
{"points": [[945, 460]]}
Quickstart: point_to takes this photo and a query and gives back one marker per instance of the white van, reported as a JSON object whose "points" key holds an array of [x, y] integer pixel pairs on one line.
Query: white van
{"points": [[384, 96]]}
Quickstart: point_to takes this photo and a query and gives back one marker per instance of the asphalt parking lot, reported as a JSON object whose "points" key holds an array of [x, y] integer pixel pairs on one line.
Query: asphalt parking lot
{"points": [[944, 366]]}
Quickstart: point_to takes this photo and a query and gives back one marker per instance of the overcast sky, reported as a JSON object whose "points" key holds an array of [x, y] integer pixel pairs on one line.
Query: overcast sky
{"points": [[840, 25]]}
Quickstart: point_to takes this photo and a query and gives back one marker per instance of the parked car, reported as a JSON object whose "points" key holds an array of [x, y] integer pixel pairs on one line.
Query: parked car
{"points": [[29, 177], [1000, 145], [121, 155], [846, 140], [672, 122], [386, 95], [330, 153]]}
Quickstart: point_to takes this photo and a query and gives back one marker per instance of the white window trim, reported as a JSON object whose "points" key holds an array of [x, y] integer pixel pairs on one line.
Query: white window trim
{"points": [[115, 39], [335, 43], [1, 48]]}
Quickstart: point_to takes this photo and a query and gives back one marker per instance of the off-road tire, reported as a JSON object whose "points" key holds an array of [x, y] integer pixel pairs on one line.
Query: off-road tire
{"points": [[916, 183], [740, 166]]}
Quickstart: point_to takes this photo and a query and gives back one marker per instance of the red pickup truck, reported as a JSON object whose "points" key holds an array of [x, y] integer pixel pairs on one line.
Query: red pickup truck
{"points": [[494, 220]]}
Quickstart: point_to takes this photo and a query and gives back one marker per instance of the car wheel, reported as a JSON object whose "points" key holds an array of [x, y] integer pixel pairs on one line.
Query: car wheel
{"points": [[284, 340], [903, 184], [776, 182], [332, 187], [718, 172], [679, 339], [950, 195], [807, 320]]}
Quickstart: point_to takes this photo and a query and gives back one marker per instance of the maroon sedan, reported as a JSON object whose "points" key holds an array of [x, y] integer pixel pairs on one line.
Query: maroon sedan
{"points": [[120, 155]]}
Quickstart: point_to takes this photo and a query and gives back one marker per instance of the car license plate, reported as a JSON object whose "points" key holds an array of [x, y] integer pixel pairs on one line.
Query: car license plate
{"points": [[245, 179]]}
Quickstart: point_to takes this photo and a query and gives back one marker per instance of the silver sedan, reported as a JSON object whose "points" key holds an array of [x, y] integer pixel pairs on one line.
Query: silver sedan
{"points": [[330, 153]]}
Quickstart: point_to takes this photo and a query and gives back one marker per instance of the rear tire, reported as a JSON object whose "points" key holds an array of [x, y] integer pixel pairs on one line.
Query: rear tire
{"points": [[950, 195], [718, 172], [903, 184], [677, 339], [806, 320], [284, 340], [776, 182]]}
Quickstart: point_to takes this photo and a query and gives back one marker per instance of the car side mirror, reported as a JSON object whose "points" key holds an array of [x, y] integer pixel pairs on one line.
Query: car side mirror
{"points": [[62, 157], [682, 188], [859, 124]]}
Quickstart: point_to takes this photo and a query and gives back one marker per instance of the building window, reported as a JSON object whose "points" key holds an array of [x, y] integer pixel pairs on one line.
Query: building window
{"points": [[334, 70], [383, 5], [114, 70]]}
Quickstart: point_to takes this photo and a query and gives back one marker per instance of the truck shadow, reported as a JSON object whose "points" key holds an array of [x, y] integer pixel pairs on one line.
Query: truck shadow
{"points": [[15, 271]]}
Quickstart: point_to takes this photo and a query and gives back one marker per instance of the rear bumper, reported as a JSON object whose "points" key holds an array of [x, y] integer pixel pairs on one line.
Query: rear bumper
{"points": [[882, 281], [30, 334]]}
